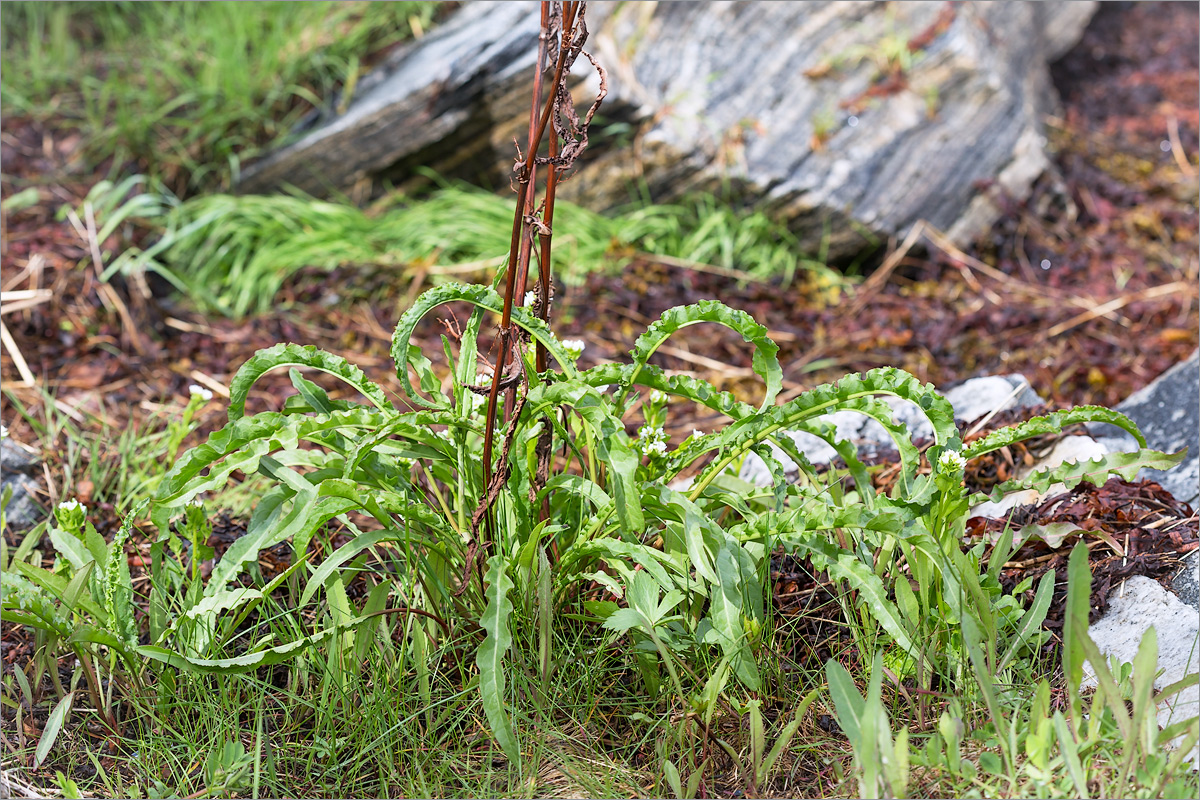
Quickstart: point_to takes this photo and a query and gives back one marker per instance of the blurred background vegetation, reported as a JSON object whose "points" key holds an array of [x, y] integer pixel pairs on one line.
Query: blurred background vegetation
{"points": [[188, 91]]}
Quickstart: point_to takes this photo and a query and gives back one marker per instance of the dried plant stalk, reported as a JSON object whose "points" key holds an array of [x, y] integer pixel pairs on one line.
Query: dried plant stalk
{"points": [[563, 35]]}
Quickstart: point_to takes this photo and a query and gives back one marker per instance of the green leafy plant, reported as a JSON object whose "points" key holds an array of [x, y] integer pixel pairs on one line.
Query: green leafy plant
{"points": [[228, 768], [84, 604], [1128, 704], [685, 563]]}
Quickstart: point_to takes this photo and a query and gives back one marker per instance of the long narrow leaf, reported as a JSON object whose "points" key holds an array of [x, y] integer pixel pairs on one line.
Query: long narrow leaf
{"points": [[53, 727], [490, 658]]}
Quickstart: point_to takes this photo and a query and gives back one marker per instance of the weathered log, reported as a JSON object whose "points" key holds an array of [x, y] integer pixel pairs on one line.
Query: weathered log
{"points": [[852, 120]]}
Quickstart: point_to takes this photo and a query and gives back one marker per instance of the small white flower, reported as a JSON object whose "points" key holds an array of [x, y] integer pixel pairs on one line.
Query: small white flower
{"points": [[649, 434], [657, 397], [697, 433], [950, 461], [530, 297], [603, 389], [198, 500], [201, 392], [574, 347], [3, 432], [651, 440], [71, 505]]}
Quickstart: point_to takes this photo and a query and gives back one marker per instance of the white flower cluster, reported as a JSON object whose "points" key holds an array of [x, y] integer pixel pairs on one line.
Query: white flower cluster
{"points": [[529, 298], [652, 441], [950, 461], [697, 433], [657, 397], [71, 516], [201, 392], [574, 347]]}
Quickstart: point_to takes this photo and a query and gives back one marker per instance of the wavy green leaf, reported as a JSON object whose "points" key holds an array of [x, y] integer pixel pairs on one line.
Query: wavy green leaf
{"points": [[779, 481], [854, 392], [842, 565], [1095, 471], [294, 355], [1050, 423], [242, 443], [490, 657], [765, 362], [247, 662], [225, 600], [685, 386]]}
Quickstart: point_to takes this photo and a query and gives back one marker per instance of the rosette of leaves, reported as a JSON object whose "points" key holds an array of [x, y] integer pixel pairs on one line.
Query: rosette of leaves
{"points": [[679, 571]]}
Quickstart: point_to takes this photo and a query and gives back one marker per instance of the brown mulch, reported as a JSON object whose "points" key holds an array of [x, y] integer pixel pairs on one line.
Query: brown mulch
{"points": [[1131, 528]]}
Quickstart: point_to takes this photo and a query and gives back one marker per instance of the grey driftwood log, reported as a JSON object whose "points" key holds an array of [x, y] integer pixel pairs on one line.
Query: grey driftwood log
{"points": [[781, 101]]}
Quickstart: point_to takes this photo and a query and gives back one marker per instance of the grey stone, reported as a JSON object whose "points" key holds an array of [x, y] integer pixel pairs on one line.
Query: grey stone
{"points": [[1167, 411], [730, 94], [1187, 582], [1135, 606], [972, 399], [18, 471]]}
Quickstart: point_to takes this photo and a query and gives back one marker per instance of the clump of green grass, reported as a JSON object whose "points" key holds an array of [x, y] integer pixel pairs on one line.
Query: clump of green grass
{"points": [[189, 90], [232, 253]]}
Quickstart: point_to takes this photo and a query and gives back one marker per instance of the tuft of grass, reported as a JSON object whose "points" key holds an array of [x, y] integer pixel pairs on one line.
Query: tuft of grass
{"points": [[189, 90], [232, 253], [108, 462]]}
